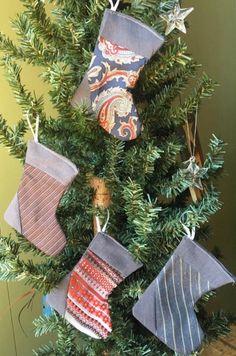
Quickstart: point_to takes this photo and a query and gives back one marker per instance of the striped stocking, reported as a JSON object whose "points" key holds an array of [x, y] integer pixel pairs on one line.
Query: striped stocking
{"points": [[104, 265], [32, 212], [167, 306]]}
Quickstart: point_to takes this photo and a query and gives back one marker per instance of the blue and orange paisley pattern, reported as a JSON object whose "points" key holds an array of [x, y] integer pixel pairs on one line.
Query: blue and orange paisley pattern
{"points": [[114, 70]]}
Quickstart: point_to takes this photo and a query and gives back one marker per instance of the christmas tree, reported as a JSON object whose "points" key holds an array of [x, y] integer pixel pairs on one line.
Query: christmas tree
{"points": [[151, 192]]}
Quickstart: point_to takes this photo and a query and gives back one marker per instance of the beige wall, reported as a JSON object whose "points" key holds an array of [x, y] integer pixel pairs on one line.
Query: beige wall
{"points": [[212, 41]]}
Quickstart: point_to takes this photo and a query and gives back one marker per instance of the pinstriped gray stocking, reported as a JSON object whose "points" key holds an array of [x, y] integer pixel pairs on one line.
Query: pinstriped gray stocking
{"points": [[167, 306], [32, 212], [38, 196]]}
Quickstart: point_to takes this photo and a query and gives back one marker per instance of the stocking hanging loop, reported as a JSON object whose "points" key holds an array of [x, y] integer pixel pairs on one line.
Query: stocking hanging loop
{"points": [[114, 6], [98, 225], [107, 221], [36, 132], [190, 233]]}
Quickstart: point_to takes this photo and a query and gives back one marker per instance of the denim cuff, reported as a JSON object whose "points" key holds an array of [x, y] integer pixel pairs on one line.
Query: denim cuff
{"points": [[130, 33], [204, 263], [50, 162], [108, 249]]}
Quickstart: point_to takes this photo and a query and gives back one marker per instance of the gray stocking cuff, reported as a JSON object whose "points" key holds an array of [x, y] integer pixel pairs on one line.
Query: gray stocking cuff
{"points": [[50, 162], [108, 249], [204, 262], [130, 33]]}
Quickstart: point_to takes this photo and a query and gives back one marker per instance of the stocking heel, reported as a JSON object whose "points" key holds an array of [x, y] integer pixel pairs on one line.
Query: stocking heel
{"points": [[12, 215]]}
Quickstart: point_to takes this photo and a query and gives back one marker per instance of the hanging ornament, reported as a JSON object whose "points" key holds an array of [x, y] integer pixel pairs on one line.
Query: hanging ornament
{"points": [[194, 172], [167, 306], [175, 19], [191, 169]]}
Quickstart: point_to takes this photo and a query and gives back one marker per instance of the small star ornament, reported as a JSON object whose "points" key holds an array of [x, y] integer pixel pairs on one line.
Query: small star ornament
{"points": [[175, 19], [194, 172]]}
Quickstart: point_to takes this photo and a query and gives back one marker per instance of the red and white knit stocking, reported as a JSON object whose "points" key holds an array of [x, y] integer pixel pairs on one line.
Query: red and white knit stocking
{"points": [[102, 268]]}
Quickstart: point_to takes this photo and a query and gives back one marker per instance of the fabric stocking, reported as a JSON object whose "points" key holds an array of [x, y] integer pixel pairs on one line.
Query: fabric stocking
{"points": [[123, 48], [167, 306], [32, 212], [82, 297]]}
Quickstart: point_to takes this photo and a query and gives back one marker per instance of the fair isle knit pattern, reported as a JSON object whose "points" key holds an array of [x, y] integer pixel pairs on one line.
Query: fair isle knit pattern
{"points": [[91, 282], [39, 195]]}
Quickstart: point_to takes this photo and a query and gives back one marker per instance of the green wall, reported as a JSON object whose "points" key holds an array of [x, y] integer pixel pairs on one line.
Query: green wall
{"points": [[211, 40], [12, 339]]}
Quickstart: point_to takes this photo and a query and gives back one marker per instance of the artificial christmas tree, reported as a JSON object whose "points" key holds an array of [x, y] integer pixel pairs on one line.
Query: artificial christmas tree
{"points": [[149, 189]]}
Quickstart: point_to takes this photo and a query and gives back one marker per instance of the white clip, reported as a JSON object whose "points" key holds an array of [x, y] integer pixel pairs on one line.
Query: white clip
{"points": [[114, 7], [190, 234], [107, 221], [36, 132], [98, 225]]}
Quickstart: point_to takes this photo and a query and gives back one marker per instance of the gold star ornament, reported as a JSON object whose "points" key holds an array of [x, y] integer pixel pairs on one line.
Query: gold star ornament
{"points": [[175, 19]]}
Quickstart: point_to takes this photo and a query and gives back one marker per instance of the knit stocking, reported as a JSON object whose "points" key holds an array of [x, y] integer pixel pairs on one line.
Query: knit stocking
{"points": [[123, 48], [32, 212], [167, 306], [104, 265]]}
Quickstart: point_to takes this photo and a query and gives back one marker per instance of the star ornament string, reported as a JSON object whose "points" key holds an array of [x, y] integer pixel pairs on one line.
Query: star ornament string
{"points": [[175, 19], [191, 169]]}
